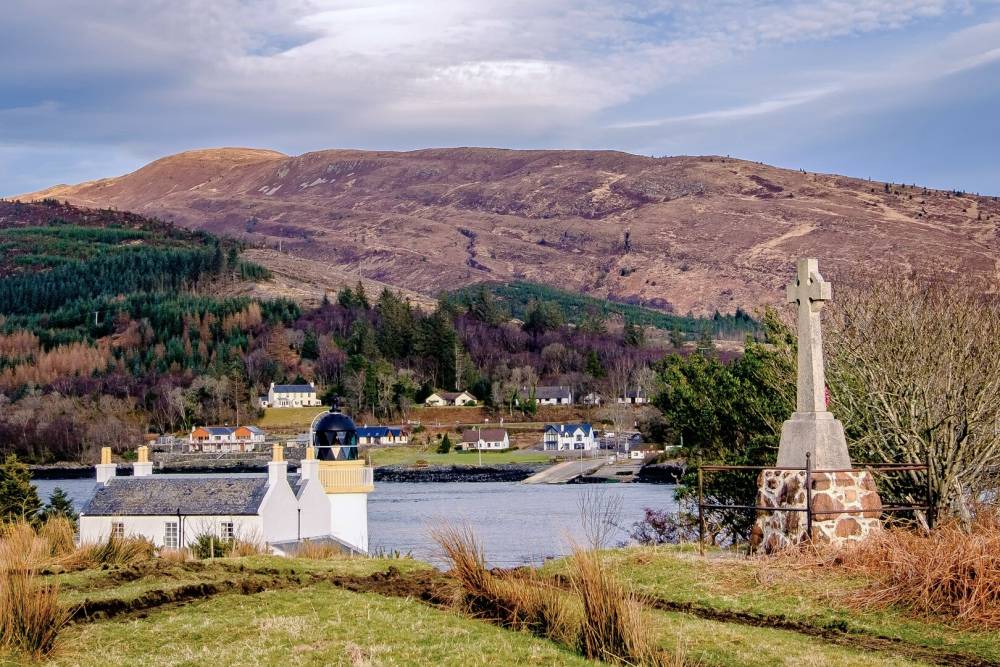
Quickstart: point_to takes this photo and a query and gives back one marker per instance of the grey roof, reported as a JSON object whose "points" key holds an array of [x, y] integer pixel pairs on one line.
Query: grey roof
{"points": [[547, 393], [218, 430], [487, 434], [161, 495], [294, 388]]}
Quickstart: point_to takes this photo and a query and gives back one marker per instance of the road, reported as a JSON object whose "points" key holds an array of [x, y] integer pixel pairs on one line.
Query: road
{"points": [[563, 472]]}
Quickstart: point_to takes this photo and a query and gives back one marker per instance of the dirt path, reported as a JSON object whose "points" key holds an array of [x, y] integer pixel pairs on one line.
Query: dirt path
{"points": [[438, 589]]}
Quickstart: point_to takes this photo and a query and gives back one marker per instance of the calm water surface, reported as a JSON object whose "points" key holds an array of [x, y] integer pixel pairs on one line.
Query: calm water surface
{"points": [[517, 523]]}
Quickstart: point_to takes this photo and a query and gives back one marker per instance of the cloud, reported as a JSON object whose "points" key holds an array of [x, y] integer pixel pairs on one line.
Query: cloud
{"points": [[144, 79]]}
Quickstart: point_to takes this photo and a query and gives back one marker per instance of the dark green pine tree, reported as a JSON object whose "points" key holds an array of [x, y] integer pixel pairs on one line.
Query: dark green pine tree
{"points": [[593, 365], [634, 334], [18, 496], [310, 346], [445, 445], [59, 505]]}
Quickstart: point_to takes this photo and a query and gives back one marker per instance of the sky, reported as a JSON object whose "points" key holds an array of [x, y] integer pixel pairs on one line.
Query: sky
{"points": [[899, 90]]}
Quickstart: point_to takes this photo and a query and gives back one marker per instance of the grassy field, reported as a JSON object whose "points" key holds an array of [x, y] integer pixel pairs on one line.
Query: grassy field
{"points": [[715, 611], [410, 455], [289, 418]]}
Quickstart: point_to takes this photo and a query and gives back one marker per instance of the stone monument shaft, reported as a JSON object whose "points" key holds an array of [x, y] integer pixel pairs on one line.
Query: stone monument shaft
{"points": [[810, 292]]}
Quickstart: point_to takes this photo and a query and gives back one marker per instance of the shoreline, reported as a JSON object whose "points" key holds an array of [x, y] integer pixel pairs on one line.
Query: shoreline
{"points": [[504, 472]]}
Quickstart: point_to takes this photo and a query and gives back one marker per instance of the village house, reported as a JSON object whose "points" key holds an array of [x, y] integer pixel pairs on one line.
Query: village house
{"points": [[593, 398], [225, 439], [563, 437], [445, 398], [642, 453], [547, 395], [382, 435], [485, 439], [290, 396], [326, 501], [634, 396]]}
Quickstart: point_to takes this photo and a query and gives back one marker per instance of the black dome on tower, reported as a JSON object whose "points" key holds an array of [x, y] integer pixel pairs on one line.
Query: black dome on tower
{"points": [[335, 436]]}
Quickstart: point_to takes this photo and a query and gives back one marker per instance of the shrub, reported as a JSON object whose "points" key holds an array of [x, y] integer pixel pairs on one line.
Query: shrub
{"points": [[209, 545]]}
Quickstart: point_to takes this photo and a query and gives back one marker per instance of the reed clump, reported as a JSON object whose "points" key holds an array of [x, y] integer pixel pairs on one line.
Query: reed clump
{"points": [[951, 572], [30, 613], [113, 552], [595, 617], [319, 550]]}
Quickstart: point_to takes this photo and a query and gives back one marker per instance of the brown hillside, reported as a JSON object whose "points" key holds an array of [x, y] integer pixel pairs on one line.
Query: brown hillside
{"points": [[705, 232]]}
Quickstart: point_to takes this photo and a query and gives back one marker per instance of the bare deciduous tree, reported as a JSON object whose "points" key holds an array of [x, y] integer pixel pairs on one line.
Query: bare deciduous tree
{"points": [[915, 371], [600, 515]]}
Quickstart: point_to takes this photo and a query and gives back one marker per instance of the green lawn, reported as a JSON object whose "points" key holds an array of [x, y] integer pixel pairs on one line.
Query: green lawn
{"points": [[282, 418], [384, 456], [679, 575]]}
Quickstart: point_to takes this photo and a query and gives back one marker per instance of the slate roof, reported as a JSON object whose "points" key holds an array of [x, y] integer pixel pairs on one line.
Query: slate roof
{"points": [[162, 495], [379, 431], [217, 430], [294, 389], [487, 434], [569, 428], [452, 395], [547, 393]]}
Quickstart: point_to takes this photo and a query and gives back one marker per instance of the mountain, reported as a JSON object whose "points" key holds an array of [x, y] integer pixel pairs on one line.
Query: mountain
{"points": [[678, 233]]}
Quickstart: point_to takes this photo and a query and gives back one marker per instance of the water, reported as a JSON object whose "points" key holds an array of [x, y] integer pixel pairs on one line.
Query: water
{"points": [[518, 524]]}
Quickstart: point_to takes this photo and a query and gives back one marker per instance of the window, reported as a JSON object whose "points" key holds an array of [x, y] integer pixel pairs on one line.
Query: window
{"points": [[227, 532], [117, 529], [170, 535]]}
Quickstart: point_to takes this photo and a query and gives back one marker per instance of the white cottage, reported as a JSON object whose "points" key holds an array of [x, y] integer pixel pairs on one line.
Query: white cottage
{"points": [[485, 439], [563, 437], [278, 509], [444, 398], [547, 395], [290, 396]]}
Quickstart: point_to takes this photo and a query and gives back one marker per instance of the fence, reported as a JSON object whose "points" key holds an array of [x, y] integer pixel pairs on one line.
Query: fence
{"points": [[808, 509]]}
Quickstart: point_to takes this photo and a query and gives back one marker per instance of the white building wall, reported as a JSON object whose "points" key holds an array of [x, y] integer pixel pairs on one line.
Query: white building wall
{"points": [[349, 518], [316, 511], [279, 512], [95, 529]]}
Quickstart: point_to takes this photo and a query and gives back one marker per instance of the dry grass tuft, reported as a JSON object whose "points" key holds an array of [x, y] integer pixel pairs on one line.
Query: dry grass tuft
{"points": [[598, 618], [614, 628], [950, 572], [319, 551], [60, 534], [30, 614], [509, 600], [242, 548], [175, 555], [115, 552]]}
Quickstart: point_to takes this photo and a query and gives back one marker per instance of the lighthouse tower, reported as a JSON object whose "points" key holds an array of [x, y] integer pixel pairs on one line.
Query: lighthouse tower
{"points": [[347, 479]]}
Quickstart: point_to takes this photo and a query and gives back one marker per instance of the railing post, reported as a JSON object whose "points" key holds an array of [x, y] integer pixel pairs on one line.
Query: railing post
{"points": [[701, 513], [809, 496]]}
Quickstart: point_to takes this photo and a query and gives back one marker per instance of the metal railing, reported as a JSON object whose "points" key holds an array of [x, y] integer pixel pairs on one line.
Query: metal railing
{"points": [[808, 509], [347, 479]]}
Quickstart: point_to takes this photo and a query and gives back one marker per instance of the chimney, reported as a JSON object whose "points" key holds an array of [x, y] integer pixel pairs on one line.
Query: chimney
{"points": [[143, 467], [105, 469], [277, 469], [309, 466]]}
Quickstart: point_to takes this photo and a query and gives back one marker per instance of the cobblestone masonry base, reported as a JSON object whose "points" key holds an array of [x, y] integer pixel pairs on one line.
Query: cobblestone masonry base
{"points": [[834, 493]]}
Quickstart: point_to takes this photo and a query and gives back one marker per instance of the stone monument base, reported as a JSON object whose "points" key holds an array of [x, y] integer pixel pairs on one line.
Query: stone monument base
{"points": [[835, 496]]}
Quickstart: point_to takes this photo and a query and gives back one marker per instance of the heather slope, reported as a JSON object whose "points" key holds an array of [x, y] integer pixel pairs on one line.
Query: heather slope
{"points": [[678, 233]]}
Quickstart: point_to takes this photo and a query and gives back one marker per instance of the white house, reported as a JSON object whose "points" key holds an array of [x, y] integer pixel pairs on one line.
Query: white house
{"points": [[225, 439], [382, 435], [593, 398], [642, 453], [634, 396], [485, 439], [443, 398], [562, 437], [276, 509], [290, 396], [547, 395]]}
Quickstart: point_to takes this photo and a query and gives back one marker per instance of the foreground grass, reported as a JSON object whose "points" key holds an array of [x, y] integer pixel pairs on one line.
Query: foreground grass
{"points": [[680, 576], [319, 625], [384, 456]]}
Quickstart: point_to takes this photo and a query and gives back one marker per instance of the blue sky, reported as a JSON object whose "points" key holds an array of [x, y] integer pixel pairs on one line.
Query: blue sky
{"points": [[902, 90]]}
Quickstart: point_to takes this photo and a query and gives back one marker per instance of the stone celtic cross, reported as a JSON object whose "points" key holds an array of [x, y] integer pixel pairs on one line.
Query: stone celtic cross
{"points": [[810, 292], [811, 429]]}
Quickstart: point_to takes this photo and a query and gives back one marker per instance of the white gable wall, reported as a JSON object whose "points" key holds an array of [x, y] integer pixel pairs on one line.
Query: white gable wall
{"points": [[279, 511], [316, 512], [349, 518]]}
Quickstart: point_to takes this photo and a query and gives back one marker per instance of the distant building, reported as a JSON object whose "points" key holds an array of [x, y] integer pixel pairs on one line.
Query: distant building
{"points": [[485, 439], [290, 396], [563, 437], [593, 398], [444, 398], [225, 439], [634, 396], [642, 453], [382, 435], [547, 395]]}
